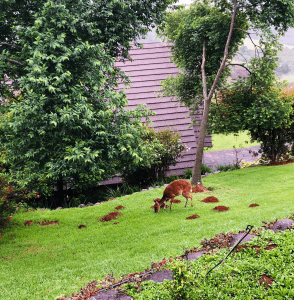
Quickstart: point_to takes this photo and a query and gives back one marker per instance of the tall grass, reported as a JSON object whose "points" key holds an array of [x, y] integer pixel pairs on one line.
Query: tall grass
{"points": [[46, 262]]}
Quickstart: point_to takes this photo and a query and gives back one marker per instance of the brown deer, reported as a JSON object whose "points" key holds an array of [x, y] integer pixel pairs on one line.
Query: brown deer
{"points": [[176, 188]]}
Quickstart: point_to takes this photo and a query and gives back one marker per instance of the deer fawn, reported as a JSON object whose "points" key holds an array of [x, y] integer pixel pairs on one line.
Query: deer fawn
{"points": [[176, 188]]}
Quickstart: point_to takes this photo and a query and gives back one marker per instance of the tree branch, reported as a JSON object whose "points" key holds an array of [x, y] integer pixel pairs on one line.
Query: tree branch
{"points": [[13, 61], [204, 85], [230, 64], [7, 44]]}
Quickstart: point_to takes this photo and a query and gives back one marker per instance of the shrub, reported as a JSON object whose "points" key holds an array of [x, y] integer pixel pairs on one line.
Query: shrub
{"points": [[10, 195], [205, 169], [224, 168], [154, 167]]}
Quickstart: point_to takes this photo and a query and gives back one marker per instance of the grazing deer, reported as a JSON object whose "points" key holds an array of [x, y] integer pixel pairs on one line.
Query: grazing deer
{"points": [[176, 188]]}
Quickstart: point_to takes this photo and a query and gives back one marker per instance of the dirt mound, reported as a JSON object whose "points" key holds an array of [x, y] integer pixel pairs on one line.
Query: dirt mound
{"points": [[110, 216], [199, 189], [221, 208], [46, 223], [176, 201], [192, 217], [119, 207], [210, 199], [253, 205]]}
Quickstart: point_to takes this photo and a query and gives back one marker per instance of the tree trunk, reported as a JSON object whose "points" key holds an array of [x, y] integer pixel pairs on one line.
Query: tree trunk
{"points": [[196, 177]]}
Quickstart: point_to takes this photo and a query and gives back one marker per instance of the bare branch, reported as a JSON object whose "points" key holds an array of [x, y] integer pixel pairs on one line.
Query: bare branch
{"points": [[230, 64], [7, 44], [13, 61]]}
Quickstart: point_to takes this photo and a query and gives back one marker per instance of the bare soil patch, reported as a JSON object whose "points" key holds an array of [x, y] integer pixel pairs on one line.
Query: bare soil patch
{"points": [[47, 223], [210, 199], [221, 208], [192, 217], [110, 216], [253, 205], [119, 207], [199, 189]]}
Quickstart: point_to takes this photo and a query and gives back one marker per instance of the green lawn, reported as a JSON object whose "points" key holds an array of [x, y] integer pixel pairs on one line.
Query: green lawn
{"points": [[47, 262], [224, 142]]}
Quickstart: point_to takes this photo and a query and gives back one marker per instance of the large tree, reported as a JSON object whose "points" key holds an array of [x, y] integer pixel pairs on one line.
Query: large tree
{"points": [[205, 37], [69, 125]]}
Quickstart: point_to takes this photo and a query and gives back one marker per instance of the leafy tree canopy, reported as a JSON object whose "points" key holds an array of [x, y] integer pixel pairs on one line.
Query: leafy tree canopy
{"points": [[70, 123]]}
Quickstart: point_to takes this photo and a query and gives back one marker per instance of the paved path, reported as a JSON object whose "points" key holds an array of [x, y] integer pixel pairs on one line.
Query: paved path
{"points": [[225, 157]]}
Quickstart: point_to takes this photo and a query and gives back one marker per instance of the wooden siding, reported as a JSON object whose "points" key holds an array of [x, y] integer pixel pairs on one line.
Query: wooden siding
{"points": [[150, 65]]}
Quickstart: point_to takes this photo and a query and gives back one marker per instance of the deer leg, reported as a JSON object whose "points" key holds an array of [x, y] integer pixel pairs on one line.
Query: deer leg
{"points": [[188, 196], [171, 202], [191, 200]]}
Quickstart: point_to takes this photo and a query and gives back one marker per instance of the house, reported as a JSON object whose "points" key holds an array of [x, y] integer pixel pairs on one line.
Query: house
{"points": [[150, 65]]}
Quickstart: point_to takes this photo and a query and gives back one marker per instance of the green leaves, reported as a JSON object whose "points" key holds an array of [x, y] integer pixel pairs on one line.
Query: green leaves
{"points": [[71, 124]]}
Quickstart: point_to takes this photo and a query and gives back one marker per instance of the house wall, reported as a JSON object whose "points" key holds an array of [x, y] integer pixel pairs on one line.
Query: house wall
{"points": [[150, 65]]}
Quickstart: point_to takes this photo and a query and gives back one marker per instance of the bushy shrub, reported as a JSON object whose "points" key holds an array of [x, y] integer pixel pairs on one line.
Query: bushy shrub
{"points": [[165, 154], [10, 195], [205, 169]]}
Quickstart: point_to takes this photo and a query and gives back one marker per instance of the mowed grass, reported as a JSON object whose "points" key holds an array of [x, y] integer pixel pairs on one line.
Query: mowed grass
{"points": [[229, 141], [47, 262]]}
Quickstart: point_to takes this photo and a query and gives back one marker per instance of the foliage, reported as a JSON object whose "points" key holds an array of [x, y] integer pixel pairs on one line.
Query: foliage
{"points": [[165, 154], [224, 168], [205, 169], [187, 29], [188, 173], [238, 276], [11, 197], [257, 104], [70, 128]]}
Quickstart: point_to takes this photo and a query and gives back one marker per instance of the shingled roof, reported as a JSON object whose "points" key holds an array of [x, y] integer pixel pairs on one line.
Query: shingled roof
{"points": [[150, 65]]}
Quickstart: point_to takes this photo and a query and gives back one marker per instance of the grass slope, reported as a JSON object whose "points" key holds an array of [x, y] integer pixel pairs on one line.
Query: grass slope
{"points": [[46, 262], [229, 141]]}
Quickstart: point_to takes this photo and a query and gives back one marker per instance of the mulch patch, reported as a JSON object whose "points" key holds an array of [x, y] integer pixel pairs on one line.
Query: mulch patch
{"points": [[110, 216], [265, 280], [278, 163], [221, 208], [253, 205], [199, 189], [46, 223], [119, 207], [193, 217], [210, 199], [111, 199]]}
